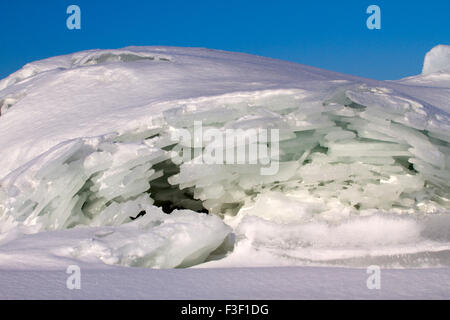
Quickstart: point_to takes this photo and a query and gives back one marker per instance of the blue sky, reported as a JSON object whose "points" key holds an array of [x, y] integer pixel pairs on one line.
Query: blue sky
{"points": [[326, 34]]}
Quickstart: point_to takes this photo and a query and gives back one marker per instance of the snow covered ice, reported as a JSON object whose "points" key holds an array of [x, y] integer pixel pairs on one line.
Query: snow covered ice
{"points": [[437, 60], [87, 141]]}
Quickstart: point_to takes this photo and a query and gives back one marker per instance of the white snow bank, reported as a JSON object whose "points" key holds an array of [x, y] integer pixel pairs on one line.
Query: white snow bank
{"points": [[293, 229], [437, 59]]}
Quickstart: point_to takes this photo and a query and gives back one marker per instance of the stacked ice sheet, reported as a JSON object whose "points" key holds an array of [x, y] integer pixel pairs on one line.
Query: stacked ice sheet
{"points": [[363, 148], [82, 182]]}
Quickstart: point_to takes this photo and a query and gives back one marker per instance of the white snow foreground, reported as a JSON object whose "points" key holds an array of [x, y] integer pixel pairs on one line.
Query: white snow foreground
{"points": [[86, 140]]}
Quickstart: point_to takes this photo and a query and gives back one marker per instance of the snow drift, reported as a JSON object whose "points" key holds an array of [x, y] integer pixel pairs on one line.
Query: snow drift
{"points": [[364, 165]]}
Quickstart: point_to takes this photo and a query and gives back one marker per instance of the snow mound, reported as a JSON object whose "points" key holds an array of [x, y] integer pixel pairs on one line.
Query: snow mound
{"points": [[437, 59], [361, 164]]}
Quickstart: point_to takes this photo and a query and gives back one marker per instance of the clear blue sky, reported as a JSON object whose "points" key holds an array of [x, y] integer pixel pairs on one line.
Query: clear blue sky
{"points": [[326, 34]]}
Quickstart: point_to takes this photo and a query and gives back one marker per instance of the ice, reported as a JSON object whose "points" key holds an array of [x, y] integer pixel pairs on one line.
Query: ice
{"points": [[156, 240], [363, 160], [361, 164], [80, 183], [359, 171]]}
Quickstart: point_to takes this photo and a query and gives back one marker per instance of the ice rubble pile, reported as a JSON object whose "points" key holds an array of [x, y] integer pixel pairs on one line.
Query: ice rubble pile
{"points": [[102, 182], [358, 148], [363, 147]]}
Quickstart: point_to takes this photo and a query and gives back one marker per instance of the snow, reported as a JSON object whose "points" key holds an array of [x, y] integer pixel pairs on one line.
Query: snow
{"points": [[34, 267], [437, 59], [363, 178], [225, 284]]}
